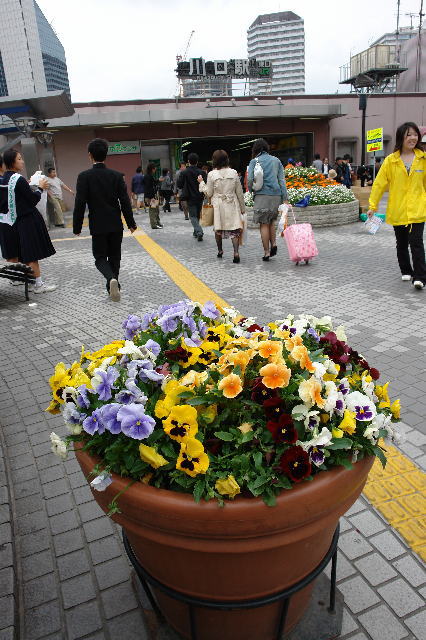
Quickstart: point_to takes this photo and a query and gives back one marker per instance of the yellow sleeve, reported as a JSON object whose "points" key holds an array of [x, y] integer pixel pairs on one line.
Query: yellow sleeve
{"points": [[381, 184]]}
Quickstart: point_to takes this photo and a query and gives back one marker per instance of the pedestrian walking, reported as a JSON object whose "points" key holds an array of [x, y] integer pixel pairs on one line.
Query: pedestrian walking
{"points": [[166, 188], [151, 196], [269, 197], [363, 174], [403, 174], [226, 193], [343, 174], [26, 239], [317, 163], [183, 205], [54, 195], [188, 182], [138, 188], [104, 191]]}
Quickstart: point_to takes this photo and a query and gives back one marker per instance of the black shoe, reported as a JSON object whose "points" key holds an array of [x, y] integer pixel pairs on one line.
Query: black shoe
{"points": [[265, 258], [236, 259], [200, 238], [220, 254], [274, 251]]}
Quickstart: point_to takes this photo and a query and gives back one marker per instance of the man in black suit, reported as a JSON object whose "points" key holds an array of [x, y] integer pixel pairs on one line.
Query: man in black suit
{"points": [[104, 191], [187, 181]]}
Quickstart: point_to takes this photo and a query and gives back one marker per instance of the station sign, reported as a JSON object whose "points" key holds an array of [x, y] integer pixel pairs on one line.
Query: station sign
{"points": [[197, 68], [126, 146], [375, 140]]}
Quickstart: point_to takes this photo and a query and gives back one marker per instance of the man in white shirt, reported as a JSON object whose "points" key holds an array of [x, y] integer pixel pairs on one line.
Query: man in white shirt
{"points": [[54, 193]]}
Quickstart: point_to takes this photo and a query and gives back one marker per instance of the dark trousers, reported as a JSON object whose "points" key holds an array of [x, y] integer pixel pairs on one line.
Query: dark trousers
{"points": [[106, 249], [194, 215], [166, 195], [411, 236]]}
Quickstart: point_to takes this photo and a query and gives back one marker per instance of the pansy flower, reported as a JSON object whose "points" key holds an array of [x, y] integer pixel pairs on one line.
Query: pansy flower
{"points": [[93, 423], [273, 407], [275, 375], [181, 422], [228, 486], [270, 349], [282, 430], [260, 393], [231, 386], [361, 405], [192, 458], [135, 423], [296, 464], [151, 456], [310, 392]]}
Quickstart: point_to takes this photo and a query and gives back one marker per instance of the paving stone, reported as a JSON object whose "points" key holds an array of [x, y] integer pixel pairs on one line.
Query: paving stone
{"points": [[56, 488], [42, 621], [7, 578], [112, 572], [7, 634], [348, 623], [358, 595], [417, 624], [133, 625], [411, 570], [67, 542], [83, 620], [119, 599], [63, 522], [34, 542], [29, 504], [90, 511], [401, 597], [379, 619], [97, 529], [375, 569], [78, 590], [7, 608], [353, 545], [367, 523], [37, 564], [105, 549], [40, 590], [388, 545], [60, 504], [32, 522]]}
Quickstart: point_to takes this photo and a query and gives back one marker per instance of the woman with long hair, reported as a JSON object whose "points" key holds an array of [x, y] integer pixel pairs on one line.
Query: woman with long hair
{"points": [[268, 198], [403, 174], [27, 238], [151, 195], [224, 188]]}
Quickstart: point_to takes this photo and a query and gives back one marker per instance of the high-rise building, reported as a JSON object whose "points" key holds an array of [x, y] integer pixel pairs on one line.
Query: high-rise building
{"points": [[32, 59], [280, 38]]}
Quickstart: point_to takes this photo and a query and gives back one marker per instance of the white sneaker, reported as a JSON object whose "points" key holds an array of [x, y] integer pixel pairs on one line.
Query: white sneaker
{"points": [[418, 284], [114, 291], [406, 278], [44, 288]]}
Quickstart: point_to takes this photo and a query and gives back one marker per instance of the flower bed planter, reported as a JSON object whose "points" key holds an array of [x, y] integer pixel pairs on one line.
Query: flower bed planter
{"points": [[325, 215], [242, 551]]}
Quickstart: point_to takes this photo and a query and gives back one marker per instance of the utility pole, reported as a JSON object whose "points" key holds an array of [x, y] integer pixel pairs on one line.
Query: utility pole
{"points": [[419, 49], [363, 109]]}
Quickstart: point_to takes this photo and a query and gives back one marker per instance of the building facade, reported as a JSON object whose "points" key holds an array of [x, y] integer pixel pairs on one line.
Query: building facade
{"points": [[397, 40], [279, 37], [32, 59]]}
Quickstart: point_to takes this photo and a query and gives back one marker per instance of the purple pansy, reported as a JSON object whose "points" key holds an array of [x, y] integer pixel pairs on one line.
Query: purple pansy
{"points": [[168, 324], [145, 370], [134, 421], [311, 331], [108, 414], [192, 341], [131, 393], [82, 399], [312, 422], [363, 413], [202, 328], [104, 381], [153, 346], [131, 326], [344, 387], [147, 319], [210, 311], [316, 455], [93, 423], [190, 323], [71, 415]]}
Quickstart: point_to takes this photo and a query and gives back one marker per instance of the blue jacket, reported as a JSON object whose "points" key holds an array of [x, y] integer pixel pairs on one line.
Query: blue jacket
{"points": [[273, 176], [138, 183]]}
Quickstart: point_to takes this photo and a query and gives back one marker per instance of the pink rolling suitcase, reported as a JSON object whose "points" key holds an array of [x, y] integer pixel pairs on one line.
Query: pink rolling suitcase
{"points": [[301, 243]]}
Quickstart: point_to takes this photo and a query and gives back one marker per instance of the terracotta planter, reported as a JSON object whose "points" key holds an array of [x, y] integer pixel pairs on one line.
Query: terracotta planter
{"points": [[244, 550]]}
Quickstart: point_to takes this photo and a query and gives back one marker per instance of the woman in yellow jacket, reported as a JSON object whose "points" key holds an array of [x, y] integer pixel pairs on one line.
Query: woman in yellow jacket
{"points": [[403, 174]]}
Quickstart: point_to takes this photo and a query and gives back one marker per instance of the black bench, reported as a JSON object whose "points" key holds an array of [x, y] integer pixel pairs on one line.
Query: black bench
{"points": [[19, 273]]}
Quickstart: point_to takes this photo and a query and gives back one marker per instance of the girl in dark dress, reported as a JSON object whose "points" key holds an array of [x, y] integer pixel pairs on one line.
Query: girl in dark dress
{"points": [[28, 236]]}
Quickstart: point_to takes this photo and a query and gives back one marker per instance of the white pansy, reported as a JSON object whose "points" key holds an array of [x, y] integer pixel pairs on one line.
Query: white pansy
{"points": [[102, 481], [69, 393], [300, 326], [368, 388], [299, 410], [358, 399], [331, 396], [320, 370], [72, 418], [326, 322], [340, 334], [230, 312], [105, 363], [322, 439], [59, 447], [310, 418], [371, 433], [136, 353], [331, 367]]}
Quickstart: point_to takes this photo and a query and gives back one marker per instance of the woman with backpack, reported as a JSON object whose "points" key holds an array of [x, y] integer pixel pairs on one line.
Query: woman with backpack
{"points": [[266, 180]]}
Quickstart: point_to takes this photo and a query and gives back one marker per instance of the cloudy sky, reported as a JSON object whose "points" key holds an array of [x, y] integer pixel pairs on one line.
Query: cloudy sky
{"points": [[126, 49]]}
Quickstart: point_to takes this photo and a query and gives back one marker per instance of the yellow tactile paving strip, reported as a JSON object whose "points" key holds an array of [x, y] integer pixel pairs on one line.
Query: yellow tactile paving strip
{"points": [[398, 491]]}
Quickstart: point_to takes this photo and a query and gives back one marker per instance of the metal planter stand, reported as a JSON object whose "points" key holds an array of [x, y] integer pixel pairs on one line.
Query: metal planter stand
{"points": [[284, 595]]}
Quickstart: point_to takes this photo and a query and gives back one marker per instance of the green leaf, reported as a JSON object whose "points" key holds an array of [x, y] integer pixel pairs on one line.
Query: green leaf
{"points": [[224, 435], [199, 489], [186, 394], [380, 454], [269, 499], [346, 463], [258, 458], [340, 443], [195, 401]]}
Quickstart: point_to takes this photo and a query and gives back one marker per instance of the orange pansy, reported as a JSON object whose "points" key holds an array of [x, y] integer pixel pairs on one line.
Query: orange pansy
{"points": [[292, 342], [275, 375], [230, 385], [270, 348], [300, 354]]}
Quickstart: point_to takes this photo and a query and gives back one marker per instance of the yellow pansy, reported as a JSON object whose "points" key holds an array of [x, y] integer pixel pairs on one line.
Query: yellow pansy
{"points": [[336, 433], [396, 409], [245, 427], [228, 486], [208, 414], [54, 407], [59, 381], [106, 351], [192, 458], [348, 423], [79, 377], [218, 335], [181, 423], [172, 390], [150, 455], [354, 379], [191, 357], [382, 394], [194, 378]]}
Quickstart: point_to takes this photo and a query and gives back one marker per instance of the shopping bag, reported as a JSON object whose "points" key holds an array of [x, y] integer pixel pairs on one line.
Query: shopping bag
{"points": [[373, 224], [207, 215], [282, 222], [243, 236]]}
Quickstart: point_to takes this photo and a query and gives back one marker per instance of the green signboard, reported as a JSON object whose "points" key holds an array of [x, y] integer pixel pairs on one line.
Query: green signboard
{"points": [[126, 146]]}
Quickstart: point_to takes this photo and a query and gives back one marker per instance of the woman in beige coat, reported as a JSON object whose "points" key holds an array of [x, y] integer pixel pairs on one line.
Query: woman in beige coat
{"points": [[224, 188]]}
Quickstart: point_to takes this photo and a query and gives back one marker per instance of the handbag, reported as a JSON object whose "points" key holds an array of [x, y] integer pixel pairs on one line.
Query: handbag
{"points": [[207, 215], [257, 176]]}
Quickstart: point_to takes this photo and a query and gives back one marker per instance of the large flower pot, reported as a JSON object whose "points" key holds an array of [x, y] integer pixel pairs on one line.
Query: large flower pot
{"points": [[244, 550]]}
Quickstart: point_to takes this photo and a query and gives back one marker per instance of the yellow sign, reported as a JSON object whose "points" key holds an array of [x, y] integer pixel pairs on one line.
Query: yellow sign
{"points": [[375, 140]]}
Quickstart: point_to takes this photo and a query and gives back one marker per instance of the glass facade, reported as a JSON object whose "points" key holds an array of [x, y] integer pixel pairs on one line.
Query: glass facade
{"points": [[54, 62], [3, 83]]}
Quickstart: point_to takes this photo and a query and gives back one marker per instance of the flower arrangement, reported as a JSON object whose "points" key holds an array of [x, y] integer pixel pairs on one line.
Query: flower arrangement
{"points": [[198, 399], [248, 199], [308, 181]]}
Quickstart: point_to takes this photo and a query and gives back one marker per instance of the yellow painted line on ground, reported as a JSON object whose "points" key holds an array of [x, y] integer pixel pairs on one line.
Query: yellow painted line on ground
{"points": [[192, 286], [398, 491], [71, 238]]}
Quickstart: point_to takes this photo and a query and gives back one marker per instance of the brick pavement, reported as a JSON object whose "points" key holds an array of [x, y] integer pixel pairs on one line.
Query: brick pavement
{"points": [[72, 579]]}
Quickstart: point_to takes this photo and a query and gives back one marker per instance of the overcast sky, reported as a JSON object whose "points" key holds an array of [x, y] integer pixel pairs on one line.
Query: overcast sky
{"points": [[126, 49]]}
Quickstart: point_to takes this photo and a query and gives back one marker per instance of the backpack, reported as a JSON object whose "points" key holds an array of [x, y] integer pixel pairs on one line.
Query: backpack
{"points": [[257, 176]]}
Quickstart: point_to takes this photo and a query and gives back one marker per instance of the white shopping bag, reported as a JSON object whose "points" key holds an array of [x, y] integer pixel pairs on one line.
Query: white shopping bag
{"points": [[243, 237], [373, 224], [283, 210], [42, 203]]}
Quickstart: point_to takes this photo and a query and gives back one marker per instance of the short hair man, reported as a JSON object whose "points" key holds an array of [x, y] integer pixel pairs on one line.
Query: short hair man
{"points": [[188, 182], [183, 205], [104, 191], [138, 190], [317, 163], [54, 194]]}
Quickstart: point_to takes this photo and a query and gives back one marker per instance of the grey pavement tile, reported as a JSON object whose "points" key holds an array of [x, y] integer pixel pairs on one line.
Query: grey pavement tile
{"points": [[97, 529], [375, 569], [7, 607], [7, 634], [59, 505], [130, 624], [388, 544], [4, 513], [119, 599], [411, 570], [83, 620], [40, 590], [78, 590], [32, 522], [358, 595], [23, 489], [7, 579], [37, 565], [401, 597], [73, 564], [29, 504], [90, 511], [68, 542], [34, 542], [417, 624], [42, 621], [354, 545], [63, 522], [367, 523], [349, 625], [112, 572], [380, 622], [410, 450], [105, 549]]}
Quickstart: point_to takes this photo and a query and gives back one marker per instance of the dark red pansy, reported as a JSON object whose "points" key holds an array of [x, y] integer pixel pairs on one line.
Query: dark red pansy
{"points": [[254, 327], [374, 373], [283, 430], [213, 445], [273, 407], [295, 463], [260, 393], [177, 354]]}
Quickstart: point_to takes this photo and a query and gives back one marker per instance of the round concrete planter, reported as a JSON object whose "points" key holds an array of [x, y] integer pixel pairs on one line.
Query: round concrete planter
{"points": [[325, 215]]}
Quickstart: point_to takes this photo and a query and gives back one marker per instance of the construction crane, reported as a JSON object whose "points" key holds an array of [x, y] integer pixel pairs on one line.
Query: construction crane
{"points": [[179, 58]]}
